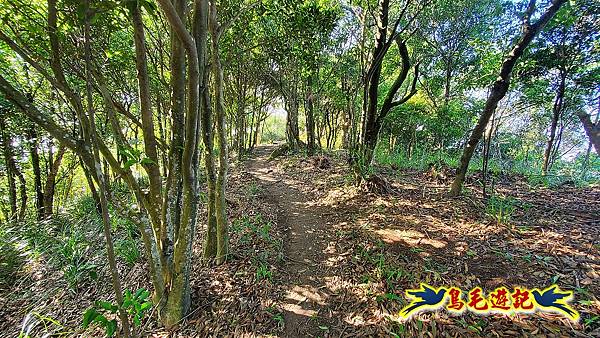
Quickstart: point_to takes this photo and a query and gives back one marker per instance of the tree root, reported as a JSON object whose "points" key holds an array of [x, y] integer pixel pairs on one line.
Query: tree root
{"points": [[321, 162], [378, 185], [279, 151]]}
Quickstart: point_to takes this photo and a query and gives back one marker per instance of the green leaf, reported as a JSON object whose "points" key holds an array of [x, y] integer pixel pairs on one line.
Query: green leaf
{"points": [[150, 8], [111, 328], [89, 316], [129, 163], [136, 320], [108, 306], [101, 320], [138, 293], [144, 295], [147, 160], [146, 306]]}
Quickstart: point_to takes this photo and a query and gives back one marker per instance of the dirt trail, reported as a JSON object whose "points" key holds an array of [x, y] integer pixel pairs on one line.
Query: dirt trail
{"points": [[305, 246]]}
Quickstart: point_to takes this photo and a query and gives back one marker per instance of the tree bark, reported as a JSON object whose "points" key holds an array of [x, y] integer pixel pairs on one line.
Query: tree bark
{"points": [[177, 297], [220, 205], [152, 164], [99, 175], [310, 118], [37, 172], [592, 130], [9, 160], [201, 34], [292, 129], [556, 111], [373, 119], [50, 184]]}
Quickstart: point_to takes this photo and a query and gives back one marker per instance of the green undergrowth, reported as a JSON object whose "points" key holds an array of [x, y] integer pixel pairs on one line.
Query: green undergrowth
{"points": [[71, 242], [563, 173], [256, 243]]}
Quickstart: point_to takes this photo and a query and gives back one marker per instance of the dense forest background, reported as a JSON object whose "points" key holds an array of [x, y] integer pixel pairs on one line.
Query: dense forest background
{"points": [[126, 118]]}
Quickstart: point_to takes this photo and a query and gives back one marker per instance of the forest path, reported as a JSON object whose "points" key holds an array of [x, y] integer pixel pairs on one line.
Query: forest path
{"points": [[307, 237]]}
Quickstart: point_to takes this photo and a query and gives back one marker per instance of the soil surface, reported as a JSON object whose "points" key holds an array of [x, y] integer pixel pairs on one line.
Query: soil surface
{"points": [[305, 244]]}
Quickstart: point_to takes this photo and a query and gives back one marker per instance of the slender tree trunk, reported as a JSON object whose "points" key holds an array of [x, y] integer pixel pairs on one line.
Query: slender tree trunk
{"points": [[292, 129], [22, 193], [37, 172], [172, 205], [374, 118], [310, 118], [100, 176], [556, 111], [201, 34], [13, 171], [486, 155], [9, 160], [591, 129], [152, 164], [50, 185], [500, 87], [178, 295], [221, 206]]}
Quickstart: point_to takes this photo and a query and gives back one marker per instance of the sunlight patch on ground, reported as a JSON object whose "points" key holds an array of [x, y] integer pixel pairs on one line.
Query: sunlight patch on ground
{"points": [[302, 293], [411, 237], [337, 283], [338, 195]]}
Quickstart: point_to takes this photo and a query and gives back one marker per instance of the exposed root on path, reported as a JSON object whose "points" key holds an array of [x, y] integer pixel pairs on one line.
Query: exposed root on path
{"points": [[378, 185]]}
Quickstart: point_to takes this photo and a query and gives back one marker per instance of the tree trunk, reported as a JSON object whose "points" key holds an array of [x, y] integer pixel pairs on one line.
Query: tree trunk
{"points": [[201, 34], [292, 129], [556, 111], [172, 205], [151, 165], [374, 119], [37, 173], [99, 175], [51, 182], [592, 130], [177, 274], [500, 87], [310, 119], [220, 205], [9, 160]]}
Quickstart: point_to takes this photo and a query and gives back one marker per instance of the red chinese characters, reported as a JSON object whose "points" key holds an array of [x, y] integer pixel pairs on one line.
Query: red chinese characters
{"points": [[455, 303], [476, 301], [499, 300], [521, 300]]}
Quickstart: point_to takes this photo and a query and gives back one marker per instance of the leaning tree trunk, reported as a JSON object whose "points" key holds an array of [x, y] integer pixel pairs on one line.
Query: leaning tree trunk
{"points": [[500, 87], [591, 129], [99, 175]]}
